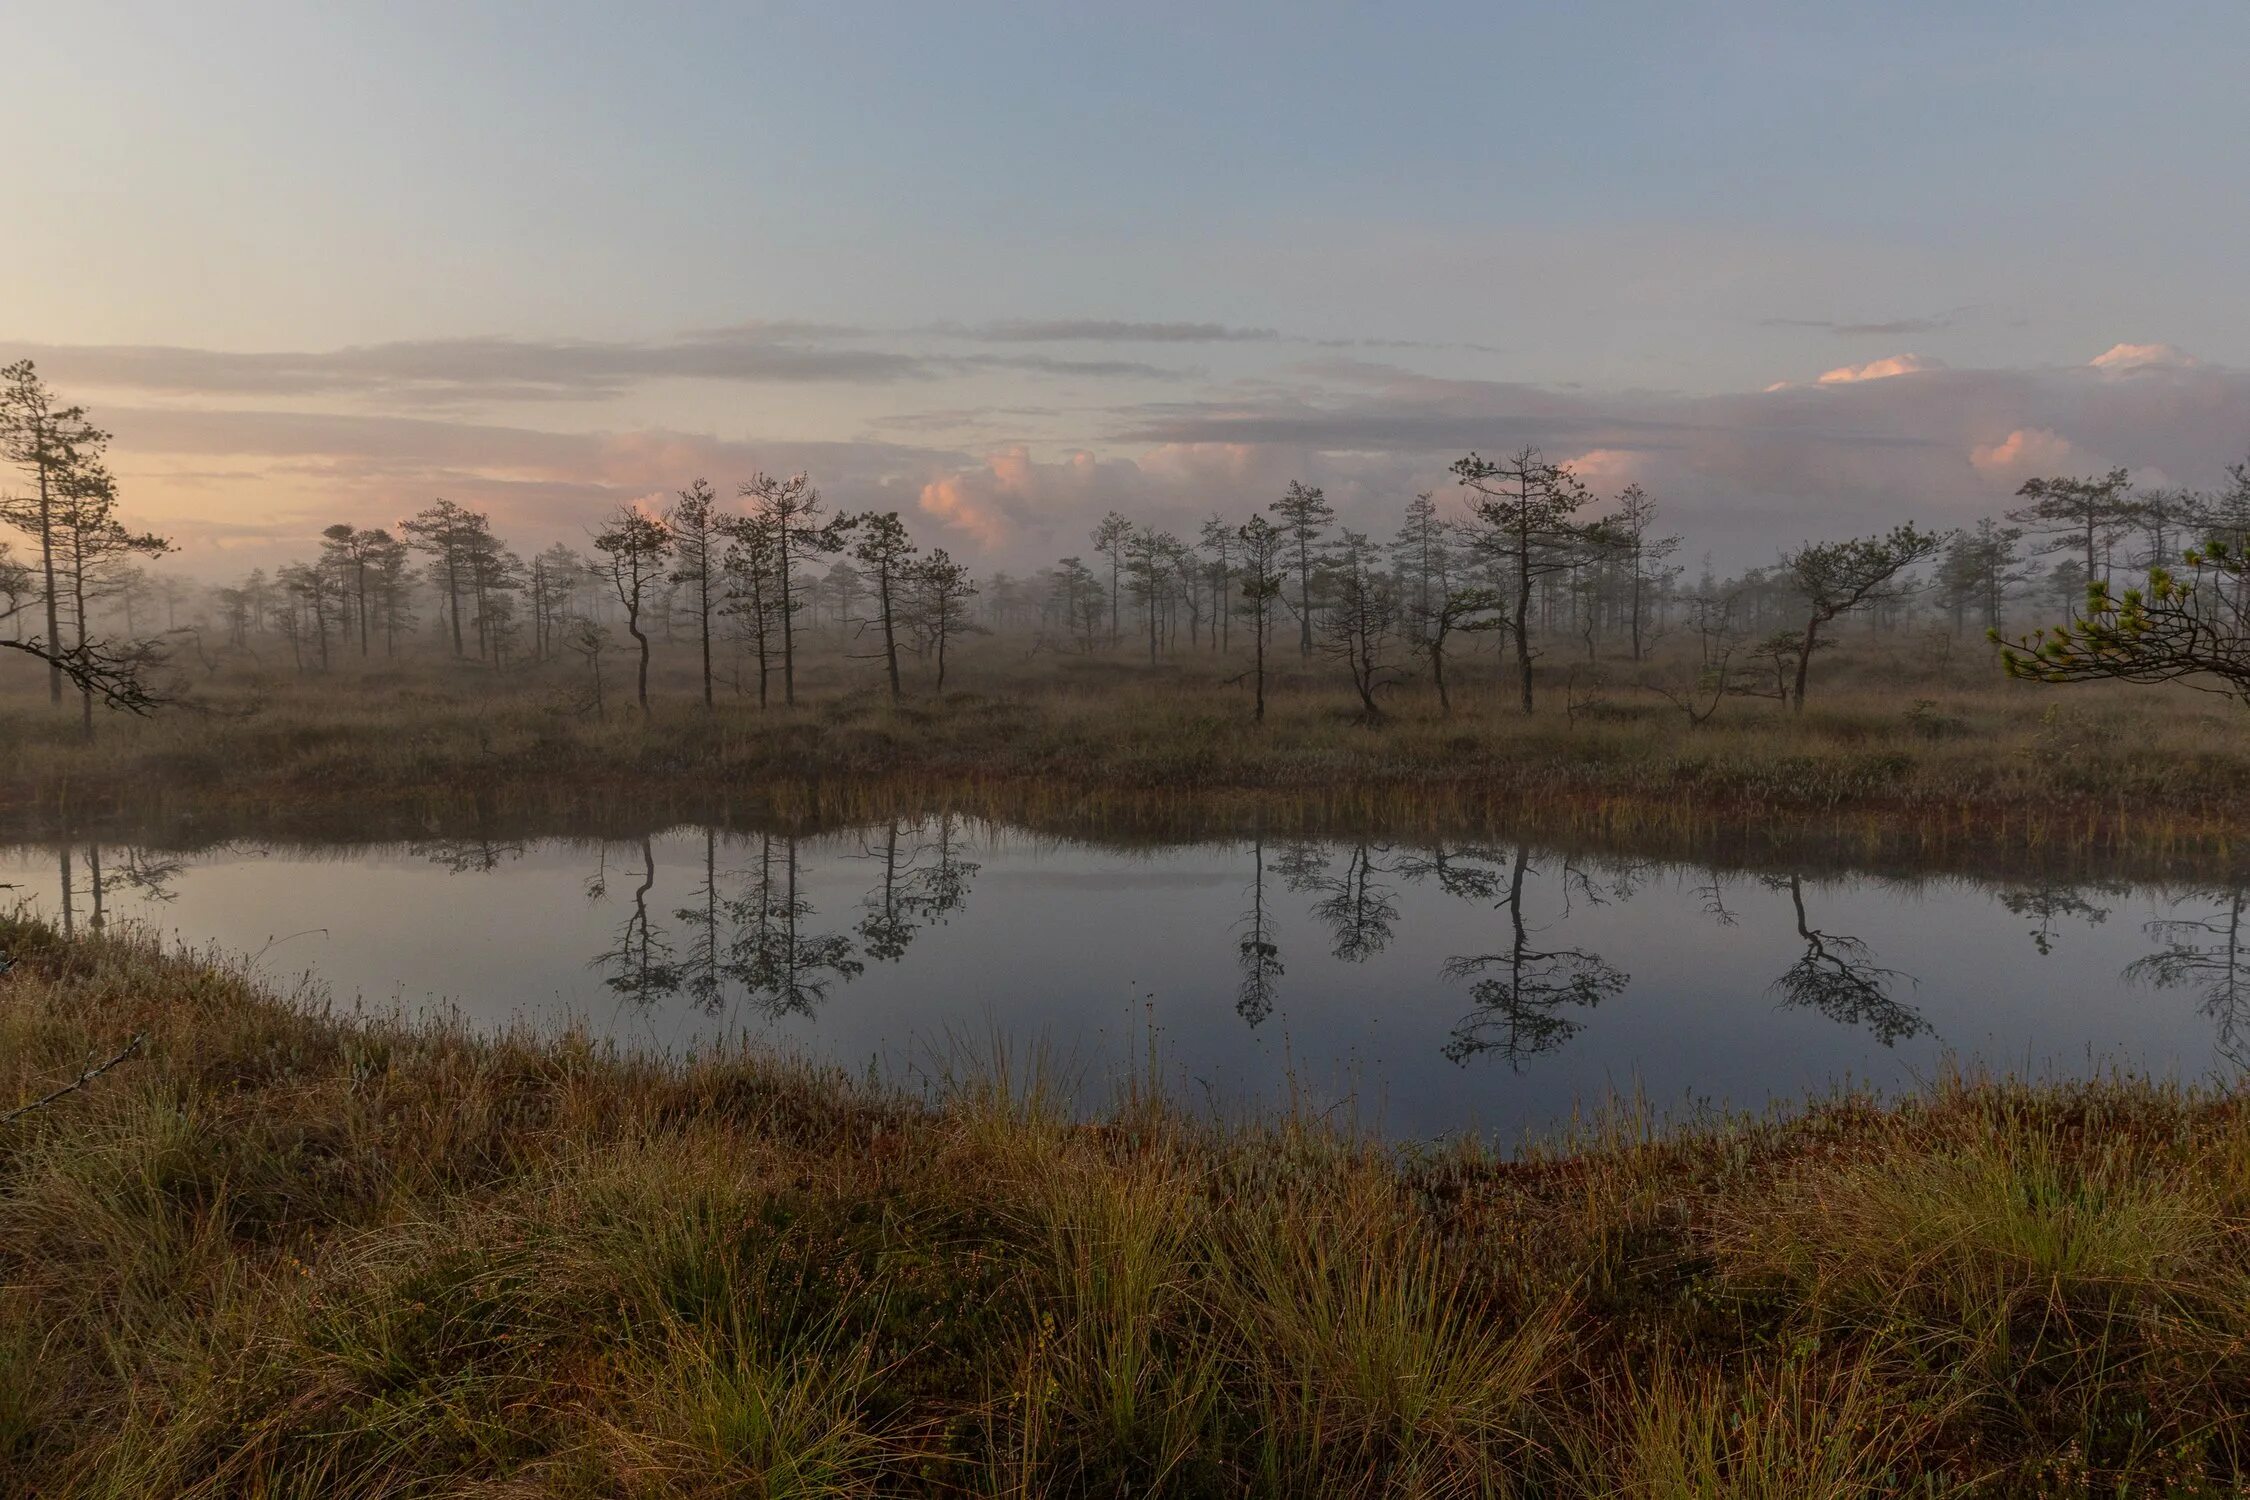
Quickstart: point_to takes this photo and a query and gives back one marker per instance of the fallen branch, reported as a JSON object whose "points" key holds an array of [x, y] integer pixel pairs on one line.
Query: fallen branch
{"points": [[77, 1083]]}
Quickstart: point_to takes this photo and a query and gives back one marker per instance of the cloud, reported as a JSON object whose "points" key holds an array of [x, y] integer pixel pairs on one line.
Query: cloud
{"points": [[1012, 499], [1609, 468], [959, 502], [539, 486], [1014, 504], [1040, 364], [2024, 452], [452, 372], [1120, 331], [1362, 406], [492, 370], [1739, 473], [1880, 369], [1894, 328], [446, 371], [960, 418], [1954, 317], [1101, 330], [2122, 359]]}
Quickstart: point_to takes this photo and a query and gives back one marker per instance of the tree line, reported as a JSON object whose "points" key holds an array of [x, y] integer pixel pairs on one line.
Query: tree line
{"points": [[1529, 558], [1526, 557]]}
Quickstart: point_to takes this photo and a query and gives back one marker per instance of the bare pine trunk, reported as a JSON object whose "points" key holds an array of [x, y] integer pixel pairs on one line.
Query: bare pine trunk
{"points": [[1523, 619], [1261, 666], [47, 564], [890, 638]]}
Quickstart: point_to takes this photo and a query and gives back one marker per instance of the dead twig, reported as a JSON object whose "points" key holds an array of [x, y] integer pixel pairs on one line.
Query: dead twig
{"points": [[72, 1087]]}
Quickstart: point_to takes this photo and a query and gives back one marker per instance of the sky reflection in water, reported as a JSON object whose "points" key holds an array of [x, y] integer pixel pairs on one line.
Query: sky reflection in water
{"points": [[1429, 988]]}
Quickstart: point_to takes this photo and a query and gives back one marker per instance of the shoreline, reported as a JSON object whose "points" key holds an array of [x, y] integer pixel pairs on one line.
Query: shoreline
{"points": [[1957, 842]]}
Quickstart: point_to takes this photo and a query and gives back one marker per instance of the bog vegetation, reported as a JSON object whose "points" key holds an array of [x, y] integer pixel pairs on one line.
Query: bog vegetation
{"points": [[1515, 647]]}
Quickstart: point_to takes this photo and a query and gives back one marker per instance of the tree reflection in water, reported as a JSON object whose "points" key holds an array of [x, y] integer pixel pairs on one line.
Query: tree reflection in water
{"points": [[1524, 992], [923, 880], [2047, 905], [944, 886], [751, 935], [889, 926], [468, 856], [639, 961], [1838, 977], [2207, 956], [1355, 905], [145, 875], [1470, 872], [703, 970], [786, 967], [1711, 895], [759, 939], [1257, 953]]}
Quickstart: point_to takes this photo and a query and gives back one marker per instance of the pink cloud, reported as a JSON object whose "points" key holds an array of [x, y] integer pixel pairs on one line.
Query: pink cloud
{"points": [[2024, 452], [1878, 369], [2121, 359], [959, 502], [1015, 499], [1609, 468]]}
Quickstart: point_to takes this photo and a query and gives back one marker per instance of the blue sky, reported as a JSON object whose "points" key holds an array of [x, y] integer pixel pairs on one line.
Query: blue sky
{"points": [[1614, 205]]}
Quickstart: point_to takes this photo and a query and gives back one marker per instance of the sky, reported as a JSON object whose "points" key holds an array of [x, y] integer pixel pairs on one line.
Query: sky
{"points": [[1798, 270]]}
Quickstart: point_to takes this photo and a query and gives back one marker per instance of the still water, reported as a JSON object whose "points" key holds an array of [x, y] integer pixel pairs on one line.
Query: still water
{"points": [[1423, 989]]}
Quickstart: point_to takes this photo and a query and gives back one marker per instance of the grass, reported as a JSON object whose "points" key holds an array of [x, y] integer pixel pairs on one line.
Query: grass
{"points": [[278, 1252], [1893, 757]]}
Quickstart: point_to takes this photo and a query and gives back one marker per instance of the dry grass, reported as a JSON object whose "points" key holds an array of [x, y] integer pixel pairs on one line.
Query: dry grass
{"points": [[1779, 1429], [1894, 756], [282, 1254]]}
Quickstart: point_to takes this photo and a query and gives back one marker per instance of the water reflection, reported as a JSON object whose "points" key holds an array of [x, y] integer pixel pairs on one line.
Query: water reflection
{"points": [[754, 936], [1524, 993], [703, 966], [1257, 953], [468, 856], [779, 955], [1838, 977], [2048, 905], [145, 876], [638, 964], [2206, 956], [1466, 872], [1493, 965], [924, 879], [1353, 903]]}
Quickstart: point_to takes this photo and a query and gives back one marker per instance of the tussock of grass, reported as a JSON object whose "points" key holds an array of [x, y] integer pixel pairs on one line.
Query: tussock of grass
{"points": [[279, 1253], [1776, 1431], [2076, 1273]]}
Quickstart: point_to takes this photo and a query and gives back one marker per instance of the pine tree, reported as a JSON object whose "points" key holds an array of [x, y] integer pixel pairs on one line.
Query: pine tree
{"points": [[1305, 518]]}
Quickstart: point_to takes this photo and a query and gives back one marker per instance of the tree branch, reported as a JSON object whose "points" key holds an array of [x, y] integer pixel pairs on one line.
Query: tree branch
{"points": [[72, 1087]]}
